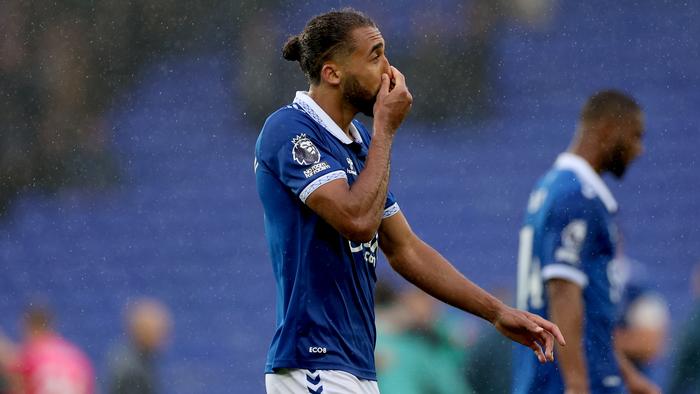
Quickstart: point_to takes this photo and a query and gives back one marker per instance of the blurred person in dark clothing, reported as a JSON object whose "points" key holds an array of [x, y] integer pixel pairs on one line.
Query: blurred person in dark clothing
{"points": [[45, 362], [490, 361], [640, 335], [132, 366], [685, 375]]}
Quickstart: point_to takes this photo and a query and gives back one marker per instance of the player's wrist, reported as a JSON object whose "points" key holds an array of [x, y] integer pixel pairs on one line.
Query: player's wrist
{"points": [[382, 140], [496, 311], [384, 130]]}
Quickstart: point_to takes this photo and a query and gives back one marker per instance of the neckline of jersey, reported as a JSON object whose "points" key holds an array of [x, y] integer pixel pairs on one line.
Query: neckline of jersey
{"points": [[308, 105], [584, 171]]}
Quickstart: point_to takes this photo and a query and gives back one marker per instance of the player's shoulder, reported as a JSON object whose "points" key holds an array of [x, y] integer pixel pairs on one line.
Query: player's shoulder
{"points": [[563, 186], [283, 126], [558, 194]]}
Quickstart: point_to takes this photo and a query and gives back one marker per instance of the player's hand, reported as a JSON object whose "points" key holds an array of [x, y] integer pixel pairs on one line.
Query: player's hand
{"points": [[393, 102], [530, 330]]}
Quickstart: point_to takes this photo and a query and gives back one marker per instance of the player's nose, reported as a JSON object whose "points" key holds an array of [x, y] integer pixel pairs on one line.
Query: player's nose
{"points": [[386, 67]]}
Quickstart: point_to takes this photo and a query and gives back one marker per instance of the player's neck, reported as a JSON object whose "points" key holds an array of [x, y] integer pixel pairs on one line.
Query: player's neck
{"points": [[331, 101], [589, 154]]}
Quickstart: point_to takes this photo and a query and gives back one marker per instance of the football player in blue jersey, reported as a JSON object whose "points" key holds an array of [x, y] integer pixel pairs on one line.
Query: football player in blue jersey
{"points": [[323, 180], [566, 269]]}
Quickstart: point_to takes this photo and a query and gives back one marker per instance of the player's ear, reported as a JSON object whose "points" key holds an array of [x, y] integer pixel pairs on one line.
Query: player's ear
{"points": [[331, 73]]}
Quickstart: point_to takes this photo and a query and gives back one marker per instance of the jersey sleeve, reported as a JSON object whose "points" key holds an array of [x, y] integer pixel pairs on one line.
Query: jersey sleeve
{"points": [[568, 227], [391, 207], [291, 150]]}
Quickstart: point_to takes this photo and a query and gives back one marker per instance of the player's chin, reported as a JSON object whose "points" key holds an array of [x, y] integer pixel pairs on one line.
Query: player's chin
{"points": [[619, 171], [367, 108]]}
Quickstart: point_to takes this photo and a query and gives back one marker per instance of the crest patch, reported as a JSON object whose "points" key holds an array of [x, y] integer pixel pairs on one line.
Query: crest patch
{"points": [[304, 152]]}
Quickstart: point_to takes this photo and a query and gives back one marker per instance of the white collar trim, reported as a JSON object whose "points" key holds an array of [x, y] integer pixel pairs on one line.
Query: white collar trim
{"points": [[588, 176], [308, 105]]}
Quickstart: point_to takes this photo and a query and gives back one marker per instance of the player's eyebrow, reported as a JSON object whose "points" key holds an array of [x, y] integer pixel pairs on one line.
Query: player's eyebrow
{"points": [[375, 47]]}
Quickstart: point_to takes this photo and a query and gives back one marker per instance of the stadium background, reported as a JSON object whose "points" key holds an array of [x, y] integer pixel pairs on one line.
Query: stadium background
{"points": [[179, 218]]}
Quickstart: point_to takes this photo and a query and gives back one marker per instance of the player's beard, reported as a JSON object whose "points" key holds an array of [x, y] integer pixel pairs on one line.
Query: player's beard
{"points": [[617, 164], [359, 97]]}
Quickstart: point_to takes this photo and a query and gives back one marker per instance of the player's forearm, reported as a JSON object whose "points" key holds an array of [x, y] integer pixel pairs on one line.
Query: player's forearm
{"points": [[566, 311], [635, 381], [427, 269], [627, 369], [368, 192]]}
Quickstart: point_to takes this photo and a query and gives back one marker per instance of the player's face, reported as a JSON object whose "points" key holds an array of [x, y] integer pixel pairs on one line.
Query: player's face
{"points": [[363, 70], [628, 145]]}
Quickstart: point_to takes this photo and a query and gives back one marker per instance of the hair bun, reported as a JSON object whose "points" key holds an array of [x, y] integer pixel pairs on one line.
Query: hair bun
{"points": [[292, 49]]}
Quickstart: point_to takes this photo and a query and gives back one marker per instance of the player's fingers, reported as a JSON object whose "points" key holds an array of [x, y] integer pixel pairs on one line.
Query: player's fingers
{"points": [[399, 78], [544, 339], [550, 327], [384, 87], [548, 341], [538, 351]]}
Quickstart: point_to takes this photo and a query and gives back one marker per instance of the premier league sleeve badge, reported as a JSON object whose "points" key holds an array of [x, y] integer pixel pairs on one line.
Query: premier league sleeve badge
{"points": [[304, 152]]}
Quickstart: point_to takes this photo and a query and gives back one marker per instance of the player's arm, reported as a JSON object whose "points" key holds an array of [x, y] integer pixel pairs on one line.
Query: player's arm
{"points": [[356, 211], [566, 311], [635, 381], [423, 266]]}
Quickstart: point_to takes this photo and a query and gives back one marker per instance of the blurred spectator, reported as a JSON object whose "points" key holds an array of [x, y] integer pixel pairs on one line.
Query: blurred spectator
{"points": [[45, 362], [132, 366], [685, 370], [414, 352]]}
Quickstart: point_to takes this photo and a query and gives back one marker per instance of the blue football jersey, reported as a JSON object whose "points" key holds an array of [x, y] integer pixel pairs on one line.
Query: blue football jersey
{"points": [[325, 283], [569, 234]]}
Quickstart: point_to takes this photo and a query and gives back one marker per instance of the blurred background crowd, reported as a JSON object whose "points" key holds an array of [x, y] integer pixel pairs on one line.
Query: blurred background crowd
{"points": [[126, 140]]}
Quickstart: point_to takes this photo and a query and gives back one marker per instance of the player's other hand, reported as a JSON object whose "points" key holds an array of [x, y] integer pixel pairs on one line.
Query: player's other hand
{"points": [[393, 102], [530, 330]]}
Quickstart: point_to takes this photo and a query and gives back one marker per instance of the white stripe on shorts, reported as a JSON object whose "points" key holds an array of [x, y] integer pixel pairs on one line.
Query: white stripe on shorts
{"points": [[304, 381]]}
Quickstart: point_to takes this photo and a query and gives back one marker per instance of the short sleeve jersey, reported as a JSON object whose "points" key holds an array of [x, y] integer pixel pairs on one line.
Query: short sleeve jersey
{"points": [[325, 283], [569, 234]]}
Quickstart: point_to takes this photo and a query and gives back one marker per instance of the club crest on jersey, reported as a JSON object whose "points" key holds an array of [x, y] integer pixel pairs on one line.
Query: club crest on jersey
{"points": [[304, 151]]}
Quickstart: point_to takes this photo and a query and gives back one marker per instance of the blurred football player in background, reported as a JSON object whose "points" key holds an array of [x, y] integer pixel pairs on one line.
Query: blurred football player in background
{"points": [[567, 249]]}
